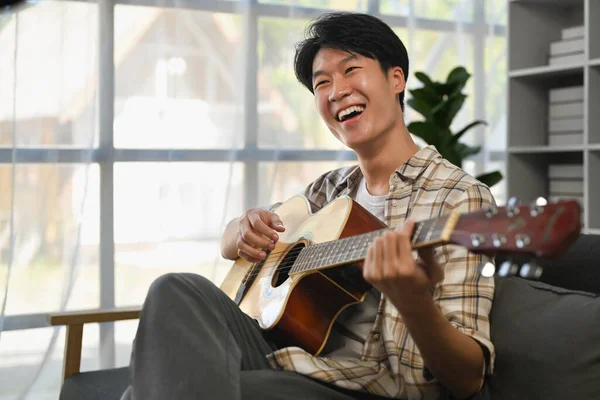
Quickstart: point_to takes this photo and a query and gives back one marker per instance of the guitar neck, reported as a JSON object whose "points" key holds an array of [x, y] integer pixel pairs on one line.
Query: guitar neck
{"points": [[354, 249]]}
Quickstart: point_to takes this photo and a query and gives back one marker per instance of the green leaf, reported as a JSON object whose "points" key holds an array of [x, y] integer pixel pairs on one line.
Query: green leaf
{"points": [[465, 151], [446, 114], [459, 134], [420, 106], [425, 130], [447, 89], [490, 178], [450, 154], [428, 96], [458, 75], [424, 78]]}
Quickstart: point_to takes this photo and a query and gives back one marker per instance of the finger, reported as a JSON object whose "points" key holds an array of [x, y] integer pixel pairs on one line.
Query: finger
{"points": [[427, 255], [249, 250], [429, 263], [404, 241], [255, 240], [378, 262], [259, 226], [276, 223], [248, 257], [390, 253], [368, 265]]}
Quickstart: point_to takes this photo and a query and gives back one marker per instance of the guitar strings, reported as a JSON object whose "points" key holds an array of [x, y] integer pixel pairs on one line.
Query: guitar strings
{"points": [[381, 231], [289, 264]]}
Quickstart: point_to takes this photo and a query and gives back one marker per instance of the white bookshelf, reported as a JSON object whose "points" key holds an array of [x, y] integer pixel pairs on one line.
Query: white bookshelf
{"points": [[554, 47]]}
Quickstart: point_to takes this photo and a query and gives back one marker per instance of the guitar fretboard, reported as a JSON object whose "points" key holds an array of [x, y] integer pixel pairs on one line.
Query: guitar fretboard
{"points": [[354, 248]]}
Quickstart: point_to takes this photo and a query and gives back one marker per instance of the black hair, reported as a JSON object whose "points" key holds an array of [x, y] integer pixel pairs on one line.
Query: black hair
{"points": [[355, 33]]}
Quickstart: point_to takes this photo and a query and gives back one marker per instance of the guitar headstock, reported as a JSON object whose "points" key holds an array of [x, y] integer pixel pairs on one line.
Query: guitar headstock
{"points": [[538, 230]]}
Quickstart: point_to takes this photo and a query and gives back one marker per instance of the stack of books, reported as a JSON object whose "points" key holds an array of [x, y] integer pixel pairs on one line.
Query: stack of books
{"points": [[565, 116], [570, 49], [565, 182]]}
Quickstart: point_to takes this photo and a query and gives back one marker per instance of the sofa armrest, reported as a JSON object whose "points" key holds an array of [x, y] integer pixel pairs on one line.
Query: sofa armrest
{"points": [[74, 322]]}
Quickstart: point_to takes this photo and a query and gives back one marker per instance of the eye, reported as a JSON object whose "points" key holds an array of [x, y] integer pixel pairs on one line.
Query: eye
{"points": [[350, 69], [319, 83]]}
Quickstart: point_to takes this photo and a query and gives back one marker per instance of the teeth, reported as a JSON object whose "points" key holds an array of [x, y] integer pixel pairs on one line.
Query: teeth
{"points": [[349, 110]]}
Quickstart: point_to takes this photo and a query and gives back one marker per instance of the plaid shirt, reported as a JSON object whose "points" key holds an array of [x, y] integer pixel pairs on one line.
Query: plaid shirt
{"points": [[427, 186]]}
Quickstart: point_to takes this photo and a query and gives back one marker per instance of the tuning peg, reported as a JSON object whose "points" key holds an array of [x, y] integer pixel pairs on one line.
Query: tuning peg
{"points": [[537, 207], [512, 206], [531, 270], [491, 211], [522, 240], [513, 201], [508, 268], [487, 269]]}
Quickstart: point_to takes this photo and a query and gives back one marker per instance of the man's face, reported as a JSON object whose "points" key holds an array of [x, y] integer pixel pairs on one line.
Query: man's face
{"points": [[355, 98]]}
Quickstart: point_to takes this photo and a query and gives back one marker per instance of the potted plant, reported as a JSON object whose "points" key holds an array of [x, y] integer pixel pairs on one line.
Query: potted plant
{"points": [[438, 103]]}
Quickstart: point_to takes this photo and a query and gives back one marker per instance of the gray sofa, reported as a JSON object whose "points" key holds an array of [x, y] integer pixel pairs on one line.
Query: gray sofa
{"points": [[546, 333]]}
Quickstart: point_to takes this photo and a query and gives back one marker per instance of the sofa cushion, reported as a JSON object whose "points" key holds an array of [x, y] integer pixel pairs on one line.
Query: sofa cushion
{"points": [[106, 384], [547, 342], [577, 269]]}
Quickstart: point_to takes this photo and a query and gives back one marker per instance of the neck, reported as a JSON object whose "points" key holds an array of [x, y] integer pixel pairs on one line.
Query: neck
{"points": [[379, 159], [354, 249]]}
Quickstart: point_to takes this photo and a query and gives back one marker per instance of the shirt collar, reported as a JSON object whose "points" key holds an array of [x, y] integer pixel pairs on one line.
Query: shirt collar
{"points": [[418, 163], [410, 170]]}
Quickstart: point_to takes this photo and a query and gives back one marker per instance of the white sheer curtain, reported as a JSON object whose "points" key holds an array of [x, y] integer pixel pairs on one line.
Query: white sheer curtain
{"points": [[112, 176]]}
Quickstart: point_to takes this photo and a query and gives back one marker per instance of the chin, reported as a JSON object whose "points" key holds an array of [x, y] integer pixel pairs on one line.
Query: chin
{"points": [[355, 143]]}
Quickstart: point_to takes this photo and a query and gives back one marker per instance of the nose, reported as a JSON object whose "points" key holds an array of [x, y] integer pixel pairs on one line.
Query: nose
{"points": [[339, 89]]}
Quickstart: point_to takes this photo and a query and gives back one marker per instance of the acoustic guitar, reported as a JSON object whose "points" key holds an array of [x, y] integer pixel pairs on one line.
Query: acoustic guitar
{"points": [[314, 272]]}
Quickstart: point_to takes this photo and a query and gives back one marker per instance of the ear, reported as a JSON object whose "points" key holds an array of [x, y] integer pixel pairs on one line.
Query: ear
{"points": [[398, 79]]}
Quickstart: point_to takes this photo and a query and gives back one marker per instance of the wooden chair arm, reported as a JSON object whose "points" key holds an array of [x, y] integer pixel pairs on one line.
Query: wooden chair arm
{"points": [[74, 321], [93, 316]]}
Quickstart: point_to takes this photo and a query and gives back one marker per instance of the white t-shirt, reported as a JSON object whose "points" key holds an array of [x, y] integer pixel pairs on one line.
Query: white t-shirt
{"points": [[353, 325]]}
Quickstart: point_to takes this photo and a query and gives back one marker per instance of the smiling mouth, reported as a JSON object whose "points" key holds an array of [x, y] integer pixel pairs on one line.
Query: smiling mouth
{"points": [[353, 114]]}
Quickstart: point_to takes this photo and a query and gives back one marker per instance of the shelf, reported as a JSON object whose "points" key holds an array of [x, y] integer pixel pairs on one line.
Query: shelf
{"points": [[535, 31], [548, 71], [594, 63], [545, 149]]}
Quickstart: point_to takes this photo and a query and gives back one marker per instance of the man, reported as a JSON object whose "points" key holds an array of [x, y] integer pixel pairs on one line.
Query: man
{"points": [[422, 332]]}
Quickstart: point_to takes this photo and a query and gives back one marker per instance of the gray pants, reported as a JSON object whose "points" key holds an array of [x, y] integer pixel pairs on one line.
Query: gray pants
{"points": [[194, 343]]}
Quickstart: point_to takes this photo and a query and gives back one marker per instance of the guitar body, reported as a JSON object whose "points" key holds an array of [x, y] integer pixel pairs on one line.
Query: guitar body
{"points": [[300, 309]]}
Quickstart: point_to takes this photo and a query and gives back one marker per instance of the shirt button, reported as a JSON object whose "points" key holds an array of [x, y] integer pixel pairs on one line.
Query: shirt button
{"points": [[375, 337], [394, 203]]}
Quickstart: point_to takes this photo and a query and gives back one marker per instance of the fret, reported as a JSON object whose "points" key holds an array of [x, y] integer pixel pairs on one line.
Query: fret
{"points": [[342, 251], [438, 222], [326, 256], [332, 253], [340, 254], [312, 259], [318, 257], [297, 266], [305, 254], [355, 247], [423, 232], [430, 230], [417, 232], [349, 249]]}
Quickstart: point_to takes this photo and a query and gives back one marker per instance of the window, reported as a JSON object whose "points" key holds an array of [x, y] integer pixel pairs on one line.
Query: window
{"points": [[106, 190]]}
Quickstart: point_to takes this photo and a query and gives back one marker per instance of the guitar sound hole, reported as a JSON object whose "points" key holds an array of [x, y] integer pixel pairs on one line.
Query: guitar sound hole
{"points": [[282, 272]]}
